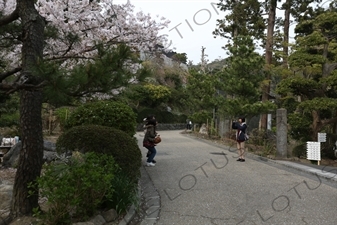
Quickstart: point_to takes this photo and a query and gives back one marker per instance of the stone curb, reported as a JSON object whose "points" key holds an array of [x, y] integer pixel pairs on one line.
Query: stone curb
{"points": [[151, 202], [151, 196], [129, 216]]}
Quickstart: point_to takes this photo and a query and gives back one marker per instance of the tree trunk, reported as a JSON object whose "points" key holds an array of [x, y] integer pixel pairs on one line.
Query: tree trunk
{"points": [[316, 125], [25, 198], [269, 58], [286, 33], [31, 154]]}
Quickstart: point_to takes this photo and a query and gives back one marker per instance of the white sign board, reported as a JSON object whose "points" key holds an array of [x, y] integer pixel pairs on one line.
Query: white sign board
{"points": [[321, 137], [314, 150]]}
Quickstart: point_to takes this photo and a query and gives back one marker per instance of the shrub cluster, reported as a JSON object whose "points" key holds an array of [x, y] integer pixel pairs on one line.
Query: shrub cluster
{"points": [[124, 193], [75, 189], [107, 140]]}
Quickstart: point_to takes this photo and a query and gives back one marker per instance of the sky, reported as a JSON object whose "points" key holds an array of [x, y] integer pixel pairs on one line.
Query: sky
{"points": [[191, 27]]}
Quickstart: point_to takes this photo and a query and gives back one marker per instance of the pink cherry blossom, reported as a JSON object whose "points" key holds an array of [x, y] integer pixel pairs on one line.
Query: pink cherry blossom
{"points": [[88, 23]]}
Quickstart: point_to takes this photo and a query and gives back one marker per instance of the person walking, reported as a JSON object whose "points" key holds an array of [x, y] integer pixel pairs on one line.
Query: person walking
{"points": [[241, 128], [148, 141]]}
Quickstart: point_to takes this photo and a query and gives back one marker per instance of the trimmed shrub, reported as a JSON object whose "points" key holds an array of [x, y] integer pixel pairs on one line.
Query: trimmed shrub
{"points": [[104, 113], [300, 150], [107, 140]]}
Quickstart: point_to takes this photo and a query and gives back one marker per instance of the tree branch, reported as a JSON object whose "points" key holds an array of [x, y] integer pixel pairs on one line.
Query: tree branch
{"points": [[11, 88], [328, 68], [329, 121], [9, 18], [9, 73]]}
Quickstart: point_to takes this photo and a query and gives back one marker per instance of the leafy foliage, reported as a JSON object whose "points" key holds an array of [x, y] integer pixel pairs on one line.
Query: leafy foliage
{"points": [[240, 80], [63, 113], [201, 117], [105, 113], [76, 188], [201, 91], [104, 140], [161, 116], [156, 94], [300, 126], [125, 193], [71, 40], [9, 110], [110, 70], [242, 18], [314, 79]]}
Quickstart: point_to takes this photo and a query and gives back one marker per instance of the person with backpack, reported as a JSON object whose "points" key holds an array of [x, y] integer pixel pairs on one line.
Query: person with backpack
{"points": [[241, 128]]}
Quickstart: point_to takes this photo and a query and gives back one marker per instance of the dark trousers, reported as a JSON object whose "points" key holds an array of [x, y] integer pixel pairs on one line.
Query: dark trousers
{"points": [[152, 154]]}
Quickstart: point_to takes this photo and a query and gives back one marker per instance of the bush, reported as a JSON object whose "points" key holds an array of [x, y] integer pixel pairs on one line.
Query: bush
{"points": [[63, 114], [300, 150], [181, 118], [125, 193], [201, 117], [75, 189], [104, 113], [107, 140]]}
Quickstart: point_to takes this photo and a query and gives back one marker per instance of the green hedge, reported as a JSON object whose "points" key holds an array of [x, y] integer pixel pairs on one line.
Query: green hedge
{"points": [[105, 113], [107, 140]]}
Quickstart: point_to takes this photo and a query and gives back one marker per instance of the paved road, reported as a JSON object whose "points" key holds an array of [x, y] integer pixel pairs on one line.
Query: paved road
{"points": [[201, 183]]}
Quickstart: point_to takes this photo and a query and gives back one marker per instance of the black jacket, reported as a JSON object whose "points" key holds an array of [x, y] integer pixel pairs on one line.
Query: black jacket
{"points": [[241, 134]]}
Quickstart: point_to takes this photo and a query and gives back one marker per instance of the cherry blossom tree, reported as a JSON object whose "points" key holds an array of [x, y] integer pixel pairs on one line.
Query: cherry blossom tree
{"points": [[69, 33]]}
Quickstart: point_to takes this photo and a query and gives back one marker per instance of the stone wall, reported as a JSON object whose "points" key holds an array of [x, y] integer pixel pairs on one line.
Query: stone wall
{"points": [[165, 126]]}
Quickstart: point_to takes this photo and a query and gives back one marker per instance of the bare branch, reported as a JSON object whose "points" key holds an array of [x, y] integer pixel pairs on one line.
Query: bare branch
{"points": [[63, 58], [9, 73], [11, 88], [9, 18]]}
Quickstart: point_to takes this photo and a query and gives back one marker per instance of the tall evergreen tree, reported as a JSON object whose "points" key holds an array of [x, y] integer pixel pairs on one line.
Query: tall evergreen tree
{"points": [[240, 80], [242, 18], [315, 72], [271, 6]]}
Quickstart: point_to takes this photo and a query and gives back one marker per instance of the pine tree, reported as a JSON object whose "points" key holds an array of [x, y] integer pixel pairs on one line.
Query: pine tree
{"points": [[315, 71]]}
